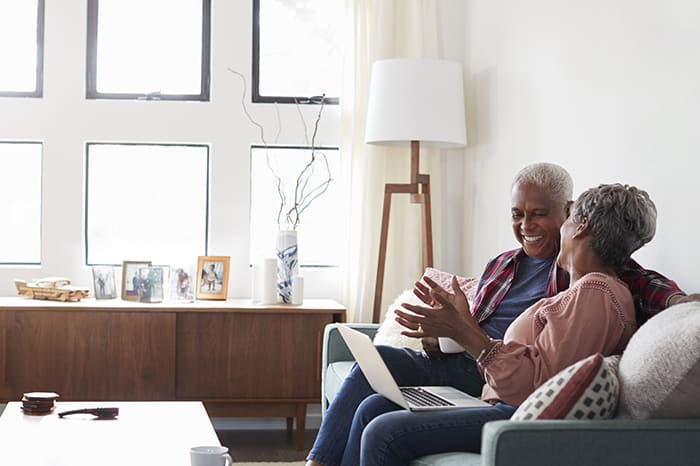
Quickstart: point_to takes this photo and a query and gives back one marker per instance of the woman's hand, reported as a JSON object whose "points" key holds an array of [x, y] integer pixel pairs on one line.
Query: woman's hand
{"points": [[431, 347], [430, 344], [427, 294], [446, 315]]}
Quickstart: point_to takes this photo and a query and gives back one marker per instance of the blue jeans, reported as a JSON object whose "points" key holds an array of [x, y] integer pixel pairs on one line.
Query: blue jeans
{"points": [[383, 434], [408, 368]]}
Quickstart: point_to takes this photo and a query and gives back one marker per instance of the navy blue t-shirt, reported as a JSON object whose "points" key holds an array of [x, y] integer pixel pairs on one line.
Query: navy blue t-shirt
{"points": [[528, 287]]}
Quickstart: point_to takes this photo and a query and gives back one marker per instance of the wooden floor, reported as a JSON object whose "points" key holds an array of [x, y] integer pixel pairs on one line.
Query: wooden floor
{"points": [[264, 445]]}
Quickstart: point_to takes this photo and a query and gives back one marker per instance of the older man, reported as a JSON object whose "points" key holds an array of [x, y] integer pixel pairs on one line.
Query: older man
{"points": [[541, 196], [512, 282]]}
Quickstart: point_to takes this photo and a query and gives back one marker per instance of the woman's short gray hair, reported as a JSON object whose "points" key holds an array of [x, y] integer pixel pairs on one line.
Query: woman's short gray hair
{"points": [[621, 219], [550, 176]]}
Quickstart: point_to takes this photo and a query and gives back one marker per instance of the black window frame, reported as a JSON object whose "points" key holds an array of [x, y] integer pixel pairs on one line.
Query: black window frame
{"points": [[91, 63], [207, 214], [38, 91], [255, 82], [253, 147], [41, 204]]}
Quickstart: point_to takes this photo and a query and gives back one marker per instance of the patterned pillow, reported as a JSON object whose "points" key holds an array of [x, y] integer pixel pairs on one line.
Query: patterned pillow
{"points": [[587, 389]]}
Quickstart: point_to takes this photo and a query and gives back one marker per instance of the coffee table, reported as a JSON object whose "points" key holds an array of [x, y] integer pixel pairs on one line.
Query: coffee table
{"points": [[145, 433]]}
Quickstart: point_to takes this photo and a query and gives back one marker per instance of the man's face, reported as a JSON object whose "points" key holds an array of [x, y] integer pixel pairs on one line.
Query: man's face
{"points": [[536, 220]]}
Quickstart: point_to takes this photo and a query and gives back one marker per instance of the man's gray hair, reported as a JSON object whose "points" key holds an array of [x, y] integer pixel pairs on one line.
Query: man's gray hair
{"points": [[621, 219], [550, 176]]}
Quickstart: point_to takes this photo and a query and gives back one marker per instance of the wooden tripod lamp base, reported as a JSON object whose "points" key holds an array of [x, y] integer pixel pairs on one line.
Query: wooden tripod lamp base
{"points": [[419, 190]]}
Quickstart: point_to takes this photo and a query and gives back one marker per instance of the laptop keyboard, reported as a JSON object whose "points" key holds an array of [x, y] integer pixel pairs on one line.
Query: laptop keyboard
{"points": [[420, 397]]}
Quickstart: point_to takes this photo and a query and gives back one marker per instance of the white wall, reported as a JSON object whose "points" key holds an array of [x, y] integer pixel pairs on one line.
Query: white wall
{"points": [[64, 121], [454, 209], [610, 89]]}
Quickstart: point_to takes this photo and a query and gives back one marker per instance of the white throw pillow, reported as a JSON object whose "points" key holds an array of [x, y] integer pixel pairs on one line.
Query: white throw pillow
{"points": [[660, 368], [389, 332]]}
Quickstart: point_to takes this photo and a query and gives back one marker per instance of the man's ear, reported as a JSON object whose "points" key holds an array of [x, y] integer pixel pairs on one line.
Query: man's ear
{"points": [[567, 208]]}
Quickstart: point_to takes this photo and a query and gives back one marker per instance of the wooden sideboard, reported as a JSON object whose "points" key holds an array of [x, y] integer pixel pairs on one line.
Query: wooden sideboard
{"points": [[240, 358]]}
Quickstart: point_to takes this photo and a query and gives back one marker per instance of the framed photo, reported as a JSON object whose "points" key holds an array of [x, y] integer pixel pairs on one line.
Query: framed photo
{"points": [[151, 287], [182, 283], [133, 279], [212, 277], [104, 283]]}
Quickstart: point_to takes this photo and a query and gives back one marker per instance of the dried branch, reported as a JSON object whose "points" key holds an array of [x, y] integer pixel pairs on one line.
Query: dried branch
{"points": [[300, 190], [250, 117], [279, 185], [304, 192]]}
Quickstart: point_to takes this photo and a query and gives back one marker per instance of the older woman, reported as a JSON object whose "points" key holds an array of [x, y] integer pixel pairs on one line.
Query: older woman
{"points": [[596, 314], [511, 282]]}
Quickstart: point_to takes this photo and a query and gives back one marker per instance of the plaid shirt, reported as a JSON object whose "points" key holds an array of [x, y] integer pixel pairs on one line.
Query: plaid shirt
{"points": [[650, 290]]}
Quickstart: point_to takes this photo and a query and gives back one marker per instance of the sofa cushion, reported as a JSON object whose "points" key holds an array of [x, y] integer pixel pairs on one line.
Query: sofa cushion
{"points": [[660, 368], [449, 459], [588, 389], [335, 375]]}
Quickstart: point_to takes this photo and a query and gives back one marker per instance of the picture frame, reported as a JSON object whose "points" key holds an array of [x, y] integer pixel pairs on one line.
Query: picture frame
{"points": [[132, 279], [153, 278], [182, 283], [103, 281], [212, 277]]}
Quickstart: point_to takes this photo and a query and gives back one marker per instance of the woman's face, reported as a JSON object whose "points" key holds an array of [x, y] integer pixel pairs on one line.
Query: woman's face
{"points": [[566, 233], [536, 220]]}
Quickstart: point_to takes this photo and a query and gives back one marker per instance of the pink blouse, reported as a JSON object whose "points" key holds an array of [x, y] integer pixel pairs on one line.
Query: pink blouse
{"points": [[595, 315]]}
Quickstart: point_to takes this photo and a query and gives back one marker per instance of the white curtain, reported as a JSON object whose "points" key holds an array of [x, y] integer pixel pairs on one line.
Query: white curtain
{"points": [[382, 29]]}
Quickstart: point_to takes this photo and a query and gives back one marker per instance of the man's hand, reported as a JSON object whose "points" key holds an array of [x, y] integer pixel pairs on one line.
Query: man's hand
{"points": [[679, 299]]}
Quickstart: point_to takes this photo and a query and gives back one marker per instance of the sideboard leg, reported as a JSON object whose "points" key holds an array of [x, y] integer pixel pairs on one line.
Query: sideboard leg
{"points": [[301, 425]]}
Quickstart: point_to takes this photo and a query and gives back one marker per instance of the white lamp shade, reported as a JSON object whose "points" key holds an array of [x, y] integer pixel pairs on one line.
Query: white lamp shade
{"points": [[416, 100]]}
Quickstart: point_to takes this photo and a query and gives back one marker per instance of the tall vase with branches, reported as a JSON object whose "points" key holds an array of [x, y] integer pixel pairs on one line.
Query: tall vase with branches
{"points": [[310, 183]]}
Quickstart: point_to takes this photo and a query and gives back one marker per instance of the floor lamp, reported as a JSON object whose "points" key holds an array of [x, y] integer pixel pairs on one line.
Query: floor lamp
{"points": [[413, 102]]}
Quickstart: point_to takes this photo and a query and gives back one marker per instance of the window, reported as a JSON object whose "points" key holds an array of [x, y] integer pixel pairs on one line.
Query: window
{"points": [[296, 50], [148, 49], [317, 248], [146, 202], [20, 186], [21, 48]]}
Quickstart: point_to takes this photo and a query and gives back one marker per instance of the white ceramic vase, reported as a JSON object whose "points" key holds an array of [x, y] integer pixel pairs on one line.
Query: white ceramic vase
{"points": [[287, 263]]}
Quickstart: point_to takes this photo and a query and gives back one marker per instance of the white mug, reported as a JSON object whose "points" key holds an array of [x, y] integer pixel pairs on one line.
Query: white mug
{"points": [[448, 345], [210, 456]]}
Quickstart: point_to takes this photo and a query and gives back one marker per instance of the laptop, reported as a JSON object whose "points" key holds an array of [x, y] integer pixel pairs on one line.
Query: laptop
{"points": [[381, 380]]}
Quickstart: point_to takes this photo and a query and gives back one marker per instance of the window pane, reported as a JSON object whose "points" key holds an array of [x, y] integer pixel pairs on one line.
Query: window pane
{"points": [[316, 246], [20, 187], [299, 48], [150, 47], [146, 202], [21, 43]]}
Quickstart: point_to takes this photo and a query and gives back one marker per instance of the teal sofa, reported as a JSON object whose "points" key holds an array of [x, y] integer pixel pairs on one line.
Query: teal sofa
{"points": [[543, 443]]}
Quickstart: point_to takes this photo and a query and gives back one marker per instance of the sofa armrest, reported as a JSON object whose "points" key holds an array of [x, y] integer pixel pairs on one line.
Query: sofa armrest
{"points": [[614, 442], [334, 349]]}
